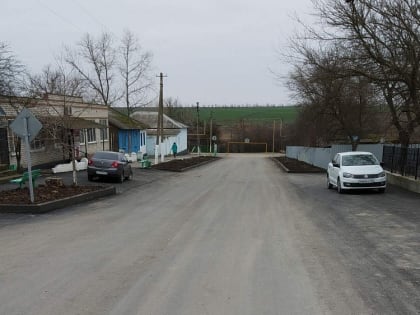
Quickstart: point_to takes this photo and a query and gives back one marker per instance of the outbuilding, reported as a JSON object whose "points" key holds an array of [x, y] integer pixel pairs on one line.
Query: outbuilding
{"points": [[173, 131]]}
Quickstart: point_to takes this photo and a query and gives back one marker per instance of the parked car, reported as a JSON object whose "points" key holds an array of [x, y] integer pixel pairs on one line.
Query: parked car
{"points": [[109, 164], [355, 170]]}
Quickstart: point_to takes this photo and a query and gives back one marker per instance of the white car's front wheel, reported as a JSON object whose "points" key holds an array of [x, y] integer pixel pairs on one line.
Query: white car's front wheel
{"points": [[339, 189]]}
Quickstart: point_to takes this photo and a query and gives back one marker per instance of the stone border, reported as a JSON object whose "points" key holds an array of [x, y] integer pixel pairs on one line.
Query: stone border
{"points": [[314, 170], [284, 168], [59, 203], [187, 167], [199, 164]]}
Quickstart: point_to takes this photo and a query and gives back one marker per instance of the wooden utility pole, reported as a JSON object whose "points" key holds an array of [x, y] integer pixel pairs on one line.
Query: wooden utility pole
{"points": [[198, 136], [159, 129], [211, 130], [274, 129]]}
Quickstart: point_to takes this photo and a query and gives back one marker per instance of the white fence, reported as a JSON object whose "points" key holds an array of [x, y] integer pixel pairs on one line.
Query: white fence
{"points": [[320, 157]]}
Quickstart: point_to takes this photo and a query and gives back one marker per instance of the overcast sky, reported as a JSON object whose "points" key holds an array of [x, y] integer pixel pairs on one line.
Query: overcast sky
{"points": [[213, 51]]}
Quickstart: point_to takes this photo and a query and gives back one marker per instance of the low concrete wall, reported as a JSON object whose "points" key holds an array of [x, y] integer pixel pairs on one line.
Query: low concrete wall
{"points": [[403, 182], [59, 203]]}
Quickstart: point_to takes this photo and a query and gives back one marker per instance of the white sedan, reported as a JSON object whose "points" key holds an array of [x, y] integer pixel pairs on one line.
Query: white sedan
{"points": [[355, 170]]}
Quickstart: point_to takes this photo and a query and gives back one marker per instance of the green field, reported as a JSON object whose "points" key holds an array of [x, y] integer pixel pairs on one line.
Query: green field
{"points": [[227, 115]]}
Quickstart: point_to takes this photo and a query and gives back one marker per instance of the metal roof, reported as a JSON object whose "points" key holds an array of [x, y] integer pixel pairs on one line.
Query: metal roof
{"points": [[150, 118], [71, 122], [121, 121]]}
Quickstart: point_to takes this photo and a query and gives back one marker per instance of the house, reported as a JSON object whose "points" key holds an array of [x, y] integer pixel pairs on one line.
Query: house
{"points": [[67, 121], [125, 133], [173, 131]]}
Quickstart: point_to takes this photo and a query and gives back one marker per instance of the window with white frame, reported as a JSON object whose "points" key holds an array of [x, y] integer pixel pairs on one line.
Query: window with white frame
{"points": [[91, 134]]}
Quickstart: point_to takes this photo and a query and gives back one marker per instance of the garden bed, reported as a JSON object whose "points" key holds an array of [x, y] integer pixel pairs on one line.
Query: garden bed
{"points": [[180, 164], [296, 166]]}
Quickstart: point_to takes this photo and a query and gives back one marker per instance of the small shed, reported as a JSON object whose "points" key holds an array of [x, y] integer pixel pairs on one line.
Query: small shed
{"points": [[126, 133]]}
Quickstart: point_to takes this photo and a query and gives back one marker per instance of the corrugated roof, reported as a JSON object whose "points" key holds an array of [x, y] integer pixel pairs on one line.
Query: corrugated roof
{"points": [[166, 132], [150, 118], [80, 123], [121, 121], [71, 122]]}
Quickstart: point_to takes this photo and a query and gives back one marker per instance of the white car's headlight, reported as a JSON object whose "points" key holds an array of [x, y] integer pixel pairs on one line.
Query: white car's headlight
{"points": [[347, 175], [382, 174]]}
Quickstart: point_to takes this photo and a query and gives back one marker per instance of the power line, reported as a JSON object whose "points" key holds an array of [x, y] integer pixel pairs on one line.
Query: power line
{"points": [[59, 15], [89, 14]]}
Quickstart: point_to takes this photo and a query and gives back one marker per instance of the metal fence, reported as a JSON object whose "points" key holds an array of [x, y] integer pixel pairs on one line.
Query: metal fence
{"points": [[394, 160]]}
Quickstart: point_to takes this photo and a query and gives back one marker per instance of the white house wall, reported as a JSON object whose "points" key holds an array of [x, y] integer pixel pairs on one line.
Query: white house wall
{"points": [[180, 139]]}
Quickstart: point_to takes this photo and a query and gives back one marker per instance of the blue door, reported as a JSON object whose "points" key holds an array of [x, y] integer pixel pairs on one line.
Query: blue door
{"points": [[129, 140]]}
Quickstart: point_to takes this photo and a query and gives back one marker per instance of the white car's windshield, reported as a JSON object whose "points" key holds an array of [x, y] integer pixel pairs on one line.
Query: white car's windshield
{"points": [[360, 159]]}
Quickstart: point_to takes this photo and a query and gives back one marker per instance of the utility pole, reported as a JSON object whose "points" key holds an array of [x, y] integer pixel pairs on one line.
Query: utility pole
{"points": [[159, 129], [281, 127], [198, 136], [211, 129], [274, 129]]}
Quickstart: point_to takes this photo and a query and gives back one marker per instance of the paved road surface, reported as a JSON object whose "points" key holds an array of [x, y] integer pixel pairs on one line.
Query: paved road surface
{"points": [[237, 236]]}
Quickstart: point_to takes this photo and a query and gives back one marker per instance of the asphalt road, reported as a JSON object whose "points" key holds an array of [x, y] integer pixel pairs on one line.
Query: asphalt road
{"points": [[237, 236]]}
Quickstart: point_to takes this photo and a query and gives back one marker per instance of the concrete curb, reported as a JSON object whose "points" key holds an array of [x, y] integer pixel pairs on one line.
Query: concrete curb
{"points": [[197, 165], [186, 168], [56, 204], [403, 182], [284, 168]]}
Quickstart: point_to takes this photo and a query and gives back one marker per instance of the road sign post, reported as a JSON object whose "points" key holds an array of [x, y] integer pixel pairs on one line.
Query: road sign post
{"points": [[26, 126]]}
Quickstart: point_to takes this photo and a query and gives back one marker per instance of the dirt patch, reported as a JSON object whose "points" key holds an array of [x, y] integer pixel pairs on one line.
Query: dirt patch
{"points": [[179, 164], [43, 193], [296, 166]]}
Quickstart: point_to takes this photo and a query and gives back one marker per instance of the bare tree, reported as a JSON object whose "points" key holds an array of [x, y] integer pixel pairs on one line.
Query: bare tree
{"points": [[56, 81], [171, 106], [11, 72], [383, 37], [134, 68], [95, 59], [378, 40], [343, 103], [12, 82]]}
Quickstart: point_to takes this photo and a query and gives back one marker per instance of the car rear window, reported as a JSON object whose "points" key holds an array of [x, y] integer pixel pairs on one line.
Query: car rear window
{"points": [[106, 155], [360, 159]]}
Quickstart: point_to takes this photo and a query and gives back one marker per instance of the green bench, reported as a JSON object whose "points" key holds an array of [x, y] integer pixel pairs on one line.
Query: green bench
{"points": [[25, 177]]}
